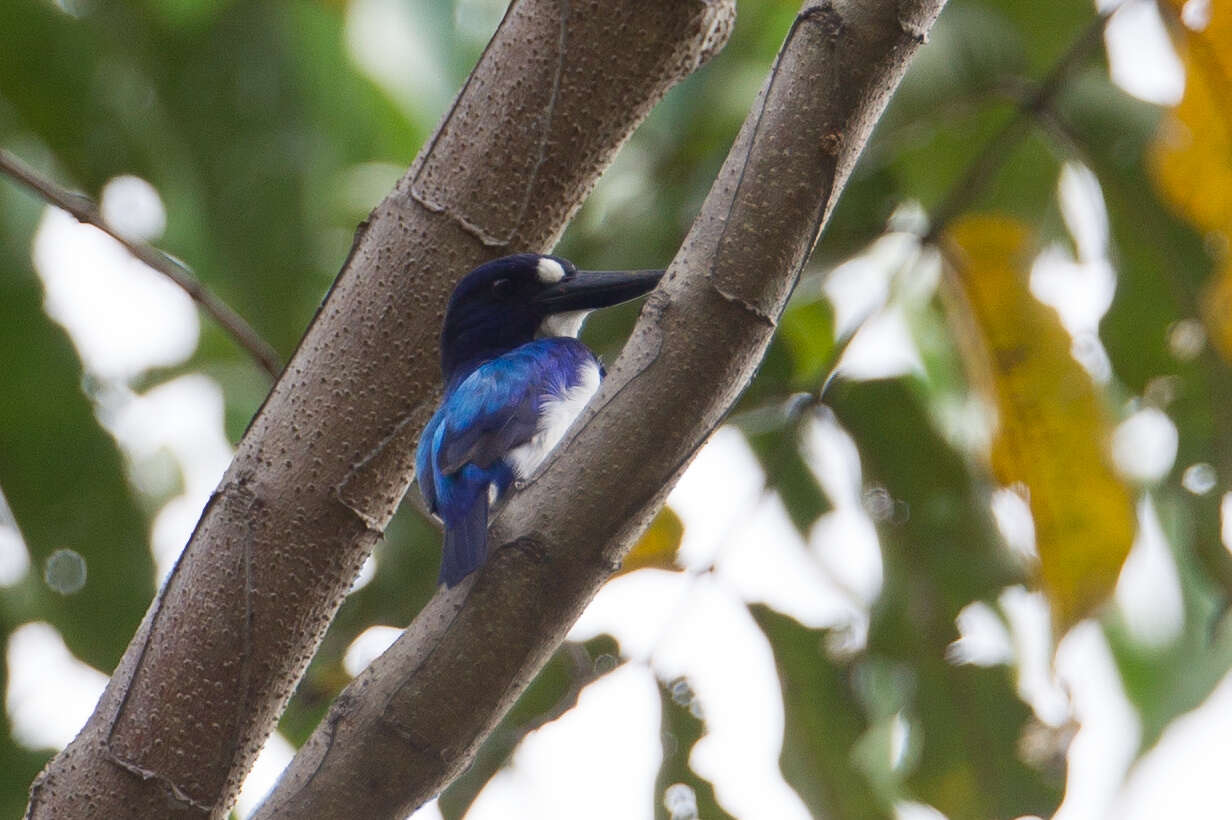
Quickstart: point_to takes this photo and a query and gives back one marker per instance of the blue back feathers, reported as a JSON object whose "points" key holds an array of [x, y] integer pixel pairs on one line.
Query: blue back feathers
{"points": [[465, 448]]}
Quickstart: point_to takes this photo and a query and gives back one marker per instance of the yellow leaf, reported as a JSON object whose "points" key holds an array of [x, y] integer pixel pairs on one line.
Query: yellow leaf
{"points": [[1191, 158], [1051, 432], [657, 546], [1217, 310]]}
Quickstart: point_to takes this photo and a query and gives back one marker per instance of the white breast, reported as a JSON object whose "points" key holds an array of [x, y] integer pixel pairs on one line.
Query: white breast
{"points": [[556, 413]]}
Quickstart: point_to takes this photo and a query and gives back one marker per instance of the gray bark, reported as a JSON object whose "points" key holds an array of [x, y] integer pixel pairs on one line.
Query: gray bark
{"points": [[323, 466], [414, 719]]}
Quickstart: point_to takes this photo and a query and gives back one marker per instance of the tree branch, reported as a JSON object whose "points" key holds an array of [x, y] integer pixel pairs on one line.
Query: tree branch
{"points": [[324, 464], [414, 719], [997, 150], [83, 209]]}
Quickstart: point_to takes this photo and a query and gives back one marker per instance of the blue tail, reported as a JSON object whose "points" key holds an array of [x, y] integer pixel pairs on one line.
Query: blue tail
{"points": [[466, 543]]}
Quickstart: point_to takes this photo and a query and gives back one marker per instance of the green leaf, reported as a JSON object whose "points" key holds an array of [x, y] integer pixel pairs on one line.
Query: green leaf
{"points": [[1165, 682], [940, 552], [64, 480], [778, 451], [681, 729], [1046, 27], [823, 723], [807, 328]]}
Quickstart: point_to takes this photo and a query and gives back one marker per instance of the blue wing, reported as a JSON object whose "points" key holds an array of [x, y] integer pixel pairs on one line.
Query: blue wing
{"points": [[461, 452]]}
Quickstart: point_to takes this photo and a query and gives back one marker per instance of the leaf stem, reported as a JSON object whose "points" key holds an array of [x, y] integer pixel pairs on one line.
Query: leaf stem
{"points": [[84, 210], [994, 153]]}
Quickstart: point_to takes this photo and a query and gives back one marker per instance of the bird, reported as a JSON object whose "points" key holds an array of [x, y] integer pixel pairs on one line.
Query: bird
{"points": [[515, 376]]}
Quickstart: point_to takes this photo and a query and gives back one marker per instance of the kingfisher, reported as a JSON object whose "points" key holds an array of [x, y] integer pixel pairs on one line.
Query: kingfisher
{"points": [[515, 377]]}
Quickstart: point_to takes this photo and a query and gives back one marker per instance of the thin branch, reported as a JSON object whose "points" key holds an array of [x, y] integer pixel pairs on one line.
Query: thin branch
{"points": [[997, 150], [84, 210]]}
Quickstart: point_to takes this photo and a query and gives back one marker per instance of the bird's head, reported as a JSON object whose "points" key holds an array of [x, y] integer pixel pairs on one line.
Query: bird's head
{"points": [[512, 300]]}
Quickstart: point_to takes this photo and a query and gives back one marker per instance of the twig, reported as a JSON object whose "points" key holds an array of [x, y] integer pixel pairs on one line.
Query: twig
{"points": [[84, 210], [996, 150]]}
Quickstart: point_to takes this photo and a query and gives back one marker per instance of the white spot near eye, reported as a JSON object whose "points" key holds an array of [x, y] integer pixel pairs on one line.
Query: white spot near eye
{"points": [[550, 271]]}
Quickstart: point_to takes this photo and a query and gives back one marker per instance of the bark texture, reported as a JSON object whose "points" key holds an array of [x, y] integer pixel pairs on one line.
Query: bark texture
{"points": [[323, 466], [414, 719]]}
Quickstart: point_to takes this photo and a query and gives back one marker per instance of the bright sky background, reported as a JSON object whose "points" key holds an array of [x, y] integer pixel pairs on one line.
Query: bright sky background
{"points": [[600, 759]]}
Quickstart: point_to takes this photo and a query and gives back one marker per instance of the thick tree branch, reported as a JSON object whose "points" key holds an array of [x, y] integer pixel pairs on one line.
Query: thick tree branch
{"points": [[327, 459], [414, 718], [83, 209]]}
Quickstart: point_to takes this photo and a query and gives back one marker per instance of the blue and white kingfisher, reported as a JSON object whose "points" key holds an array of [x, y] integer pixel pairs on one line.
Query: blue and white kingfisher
{"points": [[515, 379]]}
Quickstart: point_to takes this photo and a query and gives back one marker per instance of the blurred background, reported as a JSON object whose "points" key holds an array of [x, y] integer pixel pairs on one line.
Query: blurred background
{"points": [[961, 551]]}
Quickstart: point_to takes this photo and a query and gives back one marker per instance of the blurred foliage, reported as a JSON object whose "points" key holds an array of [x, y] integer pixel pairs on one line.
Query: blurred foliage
{"points": [[682, 728], [1192, 156], [1052, 431], [940, 551], [268, 136], [824, 723]]}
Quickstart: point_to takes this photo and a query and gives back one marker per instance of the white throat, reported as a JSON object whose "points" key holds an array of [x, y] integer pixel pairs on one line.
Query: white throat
{"points": [[562, 324]]}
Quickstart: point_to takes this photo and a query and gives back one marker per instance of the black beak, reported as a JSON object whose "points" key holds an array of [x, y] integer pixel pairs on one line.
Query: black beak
{"points": [[590, 290]]}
